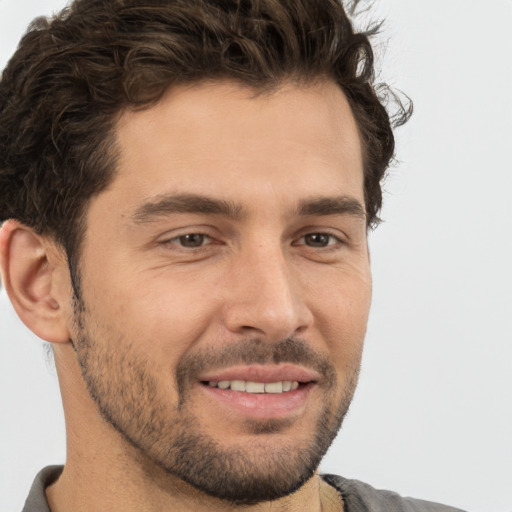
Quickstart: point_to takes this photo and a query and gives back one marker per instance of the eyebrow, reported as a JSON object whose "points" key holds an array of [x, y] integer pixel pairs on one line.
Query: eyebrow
{"points": [[186, 203], [340, 205], [162, 206]]}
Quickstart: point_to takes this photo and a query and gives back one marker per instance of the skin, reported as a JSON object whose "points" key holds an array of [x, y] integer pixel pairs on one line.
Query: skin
{"points": [[258, 275]]}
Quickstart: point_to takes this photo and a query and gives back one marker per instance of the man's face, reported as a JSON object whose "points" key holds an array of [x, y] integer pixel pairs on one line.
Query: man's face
{"points": [[226, 286]]}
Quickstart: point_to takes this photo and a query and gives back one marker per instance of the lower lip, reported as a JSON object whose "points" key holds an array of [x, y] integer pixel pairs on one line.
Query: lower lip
{"points": [[261, 405]]}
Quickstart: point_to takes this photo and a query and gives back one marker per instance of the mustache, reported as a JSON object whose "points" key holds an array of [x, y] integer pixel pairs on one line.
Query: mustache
{"points": [[253, 351]]}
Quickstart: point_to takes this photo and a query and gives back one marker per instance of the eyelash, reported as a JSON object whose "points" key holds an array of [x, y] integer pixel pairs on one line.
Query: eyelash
{"points": [[181, 237], [332, 238], [205, 238]]}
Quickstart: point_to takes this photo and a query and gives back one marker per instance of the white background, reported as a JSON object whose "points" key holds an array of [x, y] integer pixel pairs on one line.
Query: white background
{"points": [[432, 417]]}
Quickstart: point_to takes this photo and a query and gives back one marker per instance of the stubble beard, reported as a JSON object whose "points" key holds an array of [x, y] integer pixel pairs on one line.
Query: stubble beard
{"points": [[128, 397]]}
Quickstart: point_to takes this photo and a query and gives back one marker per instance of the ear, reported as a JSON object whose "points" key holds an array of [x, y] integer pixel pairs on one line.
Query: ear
{"points": [[34, 276]]}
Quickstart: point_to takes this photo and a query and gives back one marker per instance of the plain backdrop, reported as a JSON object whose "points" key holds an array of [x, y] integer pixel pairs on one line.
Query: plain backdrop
{"points": [[432, 417]]}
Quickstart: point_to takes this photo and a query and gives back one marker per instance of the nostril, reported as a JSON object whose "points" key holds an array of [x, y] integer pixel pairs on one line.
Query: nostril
{"points": [[267, 311]]}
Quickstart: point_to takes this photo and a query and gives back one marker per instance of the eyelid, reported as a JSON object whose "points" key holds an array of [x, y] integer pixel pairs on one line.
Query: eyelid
{"points": [[169, 240], [173, 233], [332, 243], [175, 240], [340, 238]]}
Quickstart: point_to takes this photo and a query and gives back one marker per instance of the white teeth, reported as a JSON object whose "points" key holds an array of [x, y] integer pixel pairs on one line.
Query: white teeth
{"points": [[255, 387], [238, 385], [287, 385], [274, 387]]}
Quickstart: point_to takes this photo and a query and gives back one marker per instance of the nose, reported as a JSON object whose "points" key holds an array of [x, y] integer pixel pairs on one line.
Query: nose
{"points": [[266, 299]]}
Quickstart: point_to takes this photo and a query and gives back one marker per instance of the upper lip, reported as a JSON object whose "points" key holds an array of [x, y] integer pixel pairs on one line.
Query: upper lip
{"points": [[262, 373]]}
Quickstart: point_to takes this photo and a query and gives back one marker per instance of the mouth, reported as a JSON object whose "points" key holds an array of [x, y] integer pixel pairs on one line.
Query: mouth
{"points": [[282, 375], [253, 387], [260, 392]]}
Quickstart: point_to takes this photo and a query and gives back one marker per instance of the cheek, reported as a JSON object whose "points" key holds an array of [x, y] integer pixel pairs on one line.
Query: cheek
{"points": [[166, 316], [342, 314]]}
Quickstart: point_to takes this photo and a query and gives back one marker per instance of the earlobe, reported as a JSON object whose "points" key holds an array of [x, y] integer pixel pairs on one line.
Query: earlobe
{"points": [[29, 268]]}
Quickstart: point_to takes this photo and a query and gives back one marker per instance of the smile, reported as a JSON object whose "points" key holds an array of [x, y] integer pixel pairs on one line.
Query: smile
{"points": [[255, 387]]}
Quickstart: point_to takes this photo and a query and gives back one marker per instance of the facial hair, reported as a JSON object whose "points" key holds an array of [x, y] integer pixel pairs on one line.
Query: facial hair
{"points": [[167, 433]]}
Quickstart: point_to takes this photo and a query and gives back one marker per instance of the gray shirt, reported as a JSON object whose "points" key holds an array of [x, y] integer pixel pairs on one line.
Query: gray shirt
{"points": [[357, 496]]}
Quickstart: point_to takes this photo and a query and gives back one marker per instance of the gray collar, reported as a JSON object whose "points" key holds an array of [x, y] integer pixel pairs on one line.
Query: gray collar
{"points": [[357, 496]]}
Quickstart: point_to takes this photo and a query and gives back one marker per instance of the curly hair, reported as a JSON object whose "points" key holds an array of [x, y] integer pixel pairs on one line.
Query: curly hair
{"points": [[72, 75]]}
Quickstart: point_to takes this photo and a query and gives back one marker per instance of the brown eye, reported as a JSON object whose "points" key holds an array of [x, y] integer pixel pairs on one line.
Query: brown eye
{"points": [[319, 239], [192, 240]]}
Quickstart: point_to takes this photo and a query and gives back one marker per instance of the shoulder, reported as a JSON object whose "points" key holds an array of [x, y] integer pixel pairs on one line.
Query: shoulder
{"points": [[36, 500], [361, 497]]}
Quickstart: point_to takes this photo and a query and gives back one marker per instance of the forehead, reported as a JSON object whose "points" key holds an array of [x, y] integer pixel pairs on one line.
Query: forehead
{"points": [[222, 138]]}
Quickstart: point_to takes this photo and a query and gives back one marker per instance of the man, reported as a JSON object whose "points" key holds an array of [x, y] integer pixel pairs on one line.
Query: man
{"points": [[187, 188]]}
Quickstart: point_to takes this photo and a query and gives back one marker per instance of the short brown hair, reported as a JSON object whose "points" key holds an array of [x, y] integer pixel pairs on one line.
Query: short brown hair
{"points": [[72, 75]]}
